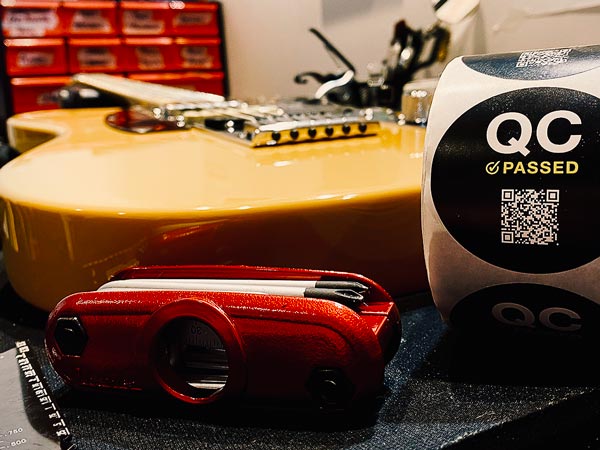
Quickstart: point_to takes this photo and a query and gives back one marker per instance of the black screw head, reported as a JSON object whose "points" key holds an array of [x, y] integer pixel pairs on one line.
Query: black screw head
{"points": [[70, 336], [330, 387]]}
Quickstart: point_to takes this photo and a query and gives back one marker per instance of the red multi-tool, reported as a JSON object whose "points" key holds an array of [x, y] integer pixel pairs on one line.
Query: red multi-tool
{"points": [[203, 333]]}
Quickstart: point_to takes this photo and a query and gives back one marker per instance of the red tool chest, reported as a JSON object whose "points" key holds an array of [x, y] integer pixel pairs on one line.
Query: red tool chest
{"points": [[95, 55], [174, 42], [142, 18], [33, 93], [89, 18], [194, 19], [34, 56], [31, 18], [198, 53], [148, 53]]}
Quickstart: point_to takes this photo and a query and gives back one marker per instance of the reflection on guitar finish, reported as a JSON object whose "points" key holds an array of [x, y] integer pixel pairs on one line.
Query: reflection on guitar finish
{"points": [[89, 199]]}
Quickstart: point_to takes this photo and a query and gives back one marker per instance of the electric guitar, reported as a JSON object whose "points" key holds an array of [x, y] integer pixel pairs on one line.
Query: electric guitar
{"points": [[182, 177]]}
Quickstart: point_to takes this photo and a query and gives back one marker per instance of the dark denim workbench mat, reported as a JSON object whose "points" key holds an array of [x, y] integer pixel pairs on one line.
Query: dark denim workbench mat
{"points": [[443, 390]]}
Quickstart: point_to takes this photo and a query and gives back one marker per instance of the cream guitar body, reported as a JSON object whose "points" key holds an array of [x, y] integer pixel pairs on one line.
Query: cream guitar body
{"points": [[85, 200]]}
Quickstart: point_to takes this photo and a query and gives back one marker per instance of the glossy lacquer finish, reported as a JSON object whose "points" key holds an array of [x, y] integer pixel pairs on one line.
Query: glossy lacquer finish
{"points": [[93, 200]]}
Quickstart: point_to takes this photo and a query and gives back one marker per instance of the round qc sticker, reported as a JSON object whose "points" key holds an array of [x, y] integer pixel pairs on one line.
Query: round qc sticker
{"points": [[515, 179]]}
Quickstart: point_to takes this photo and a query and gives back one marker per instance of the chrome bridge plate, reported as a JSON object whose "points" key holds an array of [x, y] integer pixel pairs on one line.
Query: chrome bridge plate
{"points": [[263, 126], [294, 123]]}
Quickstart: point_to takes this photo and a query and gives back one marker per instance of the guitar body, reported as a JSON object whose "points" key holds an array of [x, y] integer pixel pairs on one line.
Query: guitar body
{"points": [[85, 200]]}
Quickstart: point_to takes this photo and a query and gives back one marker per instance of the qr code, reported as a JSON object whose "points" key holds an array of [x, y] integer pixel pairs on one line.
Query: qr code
{"points": [[543, 58], [529, 216]]}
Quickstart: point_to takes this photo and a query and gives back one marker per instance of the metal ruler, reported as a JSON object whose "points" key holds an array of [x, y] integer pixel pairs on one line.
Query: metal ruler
{"points": [[29, 418]]}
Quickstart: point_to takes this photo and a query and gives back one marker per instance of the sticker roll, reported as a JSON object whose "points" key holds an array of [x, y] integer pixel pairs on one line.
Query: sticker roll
{"points": [[511, 188]]}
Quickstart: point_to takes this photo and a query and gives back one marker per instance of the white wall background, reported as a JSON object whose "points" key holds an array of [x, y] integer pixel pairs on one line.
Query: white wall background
{"points": [[268, 40]]}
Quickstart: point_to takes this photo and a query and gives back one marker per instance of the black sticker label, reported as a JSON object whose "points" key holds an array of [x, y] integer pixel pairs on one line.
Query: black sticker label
{"points": [[515, 179], [527, 308], [537, 64]]}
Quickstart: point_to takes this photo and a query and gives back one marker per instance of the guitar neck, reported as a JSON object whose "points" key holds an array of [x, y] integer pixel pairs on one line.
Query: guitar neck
{"points": [[152, 95]]}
